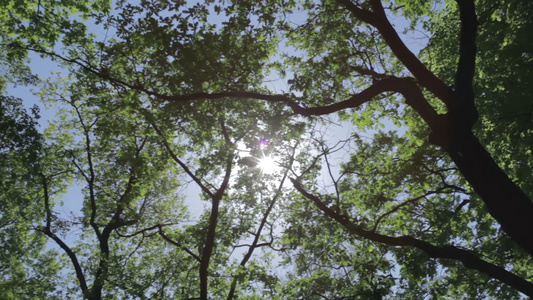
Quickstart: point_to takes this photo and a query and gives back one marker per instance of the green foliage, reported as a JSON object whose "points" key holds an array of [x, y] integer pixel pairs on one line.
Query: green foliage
{"points": [[25, 262], [170, 199]]}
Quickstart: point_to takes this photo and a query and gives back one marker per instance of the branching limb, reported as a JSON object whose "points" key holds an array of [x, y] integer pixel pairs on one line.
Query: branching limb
{"points": [[47, 230], [378, 19], [179, 245], [403, 204], [103, 240], [73, 259], [143, 231], [368, 72], [173, 155], [211, 230], [406, 86], [440, 174], [469, 259], [327, 151], [91, 178]]}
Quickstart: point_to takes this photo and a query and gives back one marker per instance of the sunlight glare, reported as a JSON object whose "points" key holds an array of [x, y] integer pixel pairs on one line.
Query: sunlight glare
{"points": [[267, 165]]}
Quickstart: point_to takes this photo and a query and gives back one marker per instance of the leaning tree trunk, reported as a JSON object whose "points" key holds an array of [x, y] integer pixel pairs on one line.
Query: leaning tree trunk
{"points": [[505, 201]]}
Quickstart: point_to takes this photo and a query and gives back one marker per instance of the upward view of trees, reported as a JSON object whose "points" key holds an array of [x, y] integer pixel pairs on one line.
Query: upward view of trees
{"points": [[284, 149]]}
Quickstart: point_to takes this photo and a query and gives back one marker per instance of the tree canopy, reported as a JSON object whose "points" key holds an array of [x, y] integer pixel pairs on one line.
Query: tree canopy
{"points": [[287, 149]]}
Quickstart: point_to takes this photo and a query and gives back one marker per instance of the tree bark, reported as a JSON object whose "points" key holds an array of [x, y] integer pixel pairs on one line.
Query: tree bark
{"points": [[504, 200]]}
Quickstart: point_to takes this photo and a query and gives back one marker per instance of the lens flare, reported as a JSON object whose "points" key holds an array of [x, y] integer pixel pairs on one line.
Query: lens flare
{"points": [[263, 143]]}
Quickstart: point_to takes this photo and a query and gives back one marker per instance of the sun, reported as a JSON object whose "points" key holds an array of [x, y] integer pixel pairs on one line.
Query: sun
{"points": [[267, 165]]}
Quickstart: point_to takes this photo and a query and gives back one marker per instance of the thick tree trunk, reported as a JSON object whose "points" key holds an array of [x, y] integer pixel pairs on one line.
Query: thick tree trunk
{"points": [[505, 201]]}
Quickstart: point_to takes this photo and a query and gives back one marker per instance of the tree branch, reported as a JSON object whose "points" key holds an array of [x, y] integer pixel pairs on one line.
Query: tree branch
{"points": [[211, 230], [406, 86], [168, 239], [47, 230], [379, 20], [173, 155], [369, 72], [73, 259], [397, 207], [469, 259], [92, 177]]}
